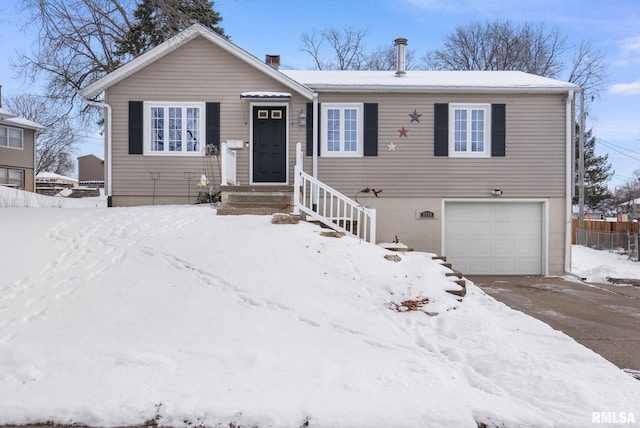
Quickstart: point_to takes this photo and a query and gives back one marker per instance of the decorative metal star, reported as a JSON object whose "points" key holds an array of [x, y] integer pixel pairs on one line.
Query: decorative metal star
{"points": [[403, 132], [415, 117], [392, 147]]}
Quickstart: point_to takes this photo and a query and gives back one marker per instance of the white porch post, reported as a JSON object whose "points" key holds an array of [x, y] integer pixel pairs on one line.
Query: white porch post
{"points": [[314, 188], [296, 179]]}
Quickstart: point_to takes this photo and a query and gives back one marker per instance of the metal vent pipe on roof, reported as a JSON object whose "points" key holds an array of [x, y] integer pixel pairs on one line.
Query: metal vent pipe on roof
{"points": [[401, 44]]}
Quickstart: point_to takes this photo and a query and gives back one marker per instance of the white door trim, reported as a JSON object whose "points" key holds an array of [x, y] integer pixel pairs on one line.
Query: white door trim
{"points": [[286, 119]]}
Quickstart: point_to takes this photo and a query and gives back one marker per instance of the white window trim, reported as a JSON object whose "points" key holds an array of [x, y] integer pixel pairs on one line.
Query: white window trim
{"points": [[360, 130], [7, 172], [146, 118], [21, 138], [486, 153]]}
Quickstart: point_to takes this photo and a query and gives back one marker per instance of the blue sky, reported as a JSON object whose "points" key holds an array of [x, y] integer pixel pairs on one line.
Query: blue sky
{"points": [[274, 27]]}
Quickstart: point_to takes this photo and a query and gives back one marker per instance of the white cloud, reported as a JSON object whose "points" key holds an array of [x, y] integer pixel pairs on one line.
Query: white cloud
{"points": [[630, 44], [429, 4], [632, 88]]}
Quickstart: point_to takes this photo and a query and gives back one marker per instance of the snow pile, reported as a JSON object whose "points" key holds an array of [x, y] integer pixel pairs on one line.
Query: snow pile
{"points": [[597, 266], [113, 317]]}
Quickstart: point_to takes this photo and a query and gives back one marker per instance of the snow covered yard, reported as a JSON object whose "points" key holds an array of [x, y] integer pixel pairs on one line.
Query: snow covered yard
{"points": [[598, 266], [112, 317]]}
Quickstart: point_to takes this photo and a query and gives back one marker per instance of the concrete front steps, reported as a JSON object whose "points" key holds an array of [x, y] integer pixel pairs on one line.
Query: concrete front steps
{"points": [[257, 200], [455, 274]]}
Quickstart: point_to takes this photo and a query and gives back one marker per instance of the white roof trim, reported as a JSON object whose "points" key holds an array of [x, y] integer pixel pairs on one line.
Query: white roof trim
{"points": [[428, 81], [20, 122], [179, 40], [6, 114]]}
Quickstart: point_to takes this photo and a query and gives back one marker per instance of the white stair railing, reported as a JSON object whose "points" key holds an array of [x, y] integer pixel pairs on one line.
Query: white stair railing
{"points": [[325, 204], [227, 165]]}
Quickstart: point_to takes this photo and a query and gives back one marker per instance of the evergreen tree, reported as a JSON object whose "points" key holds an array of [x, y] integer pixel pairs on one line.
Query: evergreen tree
{"points": [[597, 173], [159, 20]]}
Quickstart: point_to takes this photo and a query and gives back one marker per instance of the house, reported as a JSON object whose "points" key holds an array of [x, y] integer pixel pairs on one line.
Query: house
{"points": [[475, 166], [91, 171], [17, 150]]}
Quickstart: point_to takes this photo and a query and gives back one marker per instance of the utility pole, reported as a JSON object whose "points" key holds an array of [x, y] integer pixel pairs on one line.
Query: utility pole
{"points": [[581, 165]]}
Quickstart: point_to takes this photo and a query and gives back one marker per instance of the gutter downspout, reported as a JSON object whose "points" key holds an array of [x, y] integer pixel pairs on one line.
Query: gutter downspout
{"points": [[35, 159], [107, 150], [570, 129]]}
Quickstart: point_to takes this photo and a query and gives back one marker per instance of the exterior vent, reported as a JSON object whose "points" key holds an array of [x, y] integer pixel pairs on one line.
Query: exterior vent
{"points": [[401, 44]]}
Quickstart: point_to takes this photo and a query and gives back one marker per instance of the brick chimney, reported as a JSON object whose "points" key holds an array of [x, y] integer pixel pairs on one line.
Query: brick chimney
{"points": [[401, 44], [273, 61]]}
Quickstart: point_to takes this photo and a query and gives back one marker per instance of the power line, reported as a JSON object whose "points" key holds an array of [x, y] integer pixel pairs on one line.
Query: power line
{"points": [[612, 147]]}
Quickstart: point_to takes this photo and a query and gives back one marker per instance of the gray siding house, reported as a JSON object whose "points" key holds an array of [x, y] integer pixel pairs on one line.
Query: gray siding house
{"points": [[17, 151], [475, 166]]}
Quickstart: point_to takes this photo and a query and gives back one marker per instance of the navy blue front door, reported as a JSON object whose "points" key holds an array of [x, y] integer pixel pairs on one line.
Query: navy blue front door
{"points": [[269, 145]]}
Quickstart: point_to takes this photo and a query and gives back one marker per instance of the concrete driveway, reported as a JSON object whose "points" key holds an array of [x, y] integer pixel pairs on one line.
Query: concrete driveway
{"points": [[604, 318]]}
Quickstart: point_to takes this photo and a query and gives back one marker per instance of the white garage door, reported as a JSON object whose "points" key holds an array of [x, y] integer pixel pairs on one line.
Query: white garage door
{"points": [[501, 238]]}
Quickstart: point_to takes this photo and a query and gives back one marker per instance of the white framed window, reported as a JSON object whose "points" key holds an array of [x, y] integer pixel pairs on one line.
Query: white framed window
{"points": [[173, 128], [11, 137], [470, 132], [12, 177], [342, 129]]}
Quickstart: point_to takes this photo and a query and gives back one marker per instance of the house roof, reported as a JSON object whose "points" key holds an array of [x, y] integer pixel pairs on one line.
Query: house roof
{"points": [[23, 123], [5, 114], [196, 30], [90, 156], [48, 176], [428, 81], [306, 82]]}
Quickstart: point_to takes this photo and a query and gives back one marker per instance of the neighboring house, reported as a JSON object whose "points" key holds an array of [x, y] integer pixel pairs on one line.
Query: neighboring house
{"points": [[53, 179], [17, 151], [631, 207], [475, 166], [91, 171]]}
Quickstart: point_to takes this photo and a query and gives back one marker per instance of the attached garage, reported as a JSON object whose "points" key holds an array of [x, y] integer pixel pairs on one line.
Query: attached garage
{"points": [[501, 237]]}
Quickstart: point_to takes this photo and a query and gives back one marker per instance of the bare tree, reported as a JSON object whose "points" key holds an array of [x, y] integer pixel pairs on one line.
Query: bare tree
{"points": [[588, 70], [55, 146], [345, 48], [75, 45], [385, 59], [502, 45]]}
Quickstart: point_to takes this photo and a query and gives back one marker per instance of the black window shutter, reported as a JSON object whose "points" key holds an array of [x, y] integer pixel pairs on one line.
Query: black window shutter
{"points": [[309, 129], [371, 129], [498, 127], [135, 128], [213, 124], [441, 130], [309, 151]]}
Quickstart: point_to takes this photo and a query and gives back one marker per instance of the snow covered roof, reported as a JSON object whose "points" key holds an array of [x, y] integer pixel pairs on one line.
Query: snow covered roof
{"points": [[48, 176], [5, 114], [23, 123], [266, 94], [428, 81], [196, 30]]}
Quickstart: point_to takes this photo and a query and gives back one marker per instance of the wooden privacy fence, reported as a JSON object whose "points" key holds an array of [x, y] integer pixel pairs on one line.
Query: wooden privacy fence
{"points": [[603, 226]]}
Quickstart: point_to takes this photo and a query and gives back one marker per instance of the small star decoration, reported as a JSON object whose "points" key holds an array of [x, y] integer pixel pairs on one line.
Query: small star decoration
{"points": [[415, 117], [392, 147], [403, 132]]}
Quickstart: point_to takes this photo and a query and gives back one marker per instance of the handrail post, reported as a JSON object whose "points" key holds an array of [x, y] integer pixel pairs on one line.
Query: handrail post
{"points": [[296, 179], [223, 163], [372, 225]]}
